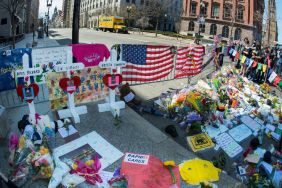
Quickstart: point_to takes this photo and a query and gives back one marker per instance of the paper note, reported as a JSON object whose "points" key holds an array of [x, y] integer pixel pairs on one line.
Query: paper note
{"points": [[136, 158], [240, 132], [106, 176], [65, 133], [252, 124], [229, 146]]}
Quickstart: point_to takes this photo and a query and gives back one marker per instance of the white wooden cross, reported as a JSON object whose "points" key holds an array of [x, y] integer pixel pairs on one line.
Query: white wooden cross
{"points": [[28, 72], [111, 104], [72, 111]]}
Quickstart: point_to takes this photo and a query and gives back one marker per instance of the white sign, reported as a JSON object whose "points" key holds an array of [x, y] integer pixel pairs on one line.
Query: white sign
{"points": [[106, 64], [69, 67], [136, 158], [29, 72]]}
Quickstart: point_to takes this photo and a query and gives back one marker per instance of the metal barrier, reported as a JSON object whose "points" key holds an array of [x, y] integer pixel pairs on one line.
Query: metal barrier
{"points": [[10, 99]]}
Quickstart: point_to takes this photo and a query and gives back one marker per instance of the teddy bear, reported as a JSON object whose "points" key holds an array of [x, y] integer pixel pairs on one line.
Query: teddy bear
{"points": [[128, 96]]}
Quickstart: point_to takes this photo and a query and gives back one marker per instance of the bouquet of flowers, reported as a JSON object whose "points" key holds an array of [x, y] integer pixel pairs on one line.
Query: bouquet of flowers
{"points": [[88, 169]]}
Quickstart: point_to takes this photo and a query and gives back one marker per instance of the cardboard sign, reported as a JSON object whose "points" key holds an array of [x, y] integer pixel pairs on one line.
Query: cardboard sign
{"points": [[69, 67], [28, 72], [200, 142], [106, 64], [136, 158]]}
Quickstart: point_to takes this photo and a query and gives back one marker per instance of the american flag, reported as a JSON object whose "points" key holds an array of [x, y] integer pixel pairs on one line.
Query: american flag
{"points": [[146, 63], [189, 60]]}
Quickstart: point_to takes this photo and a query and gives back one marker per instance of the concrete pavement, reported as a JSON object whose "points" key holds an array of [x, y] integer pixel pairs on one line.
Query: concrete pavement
{"points": [[63, 36], [45, 42]]}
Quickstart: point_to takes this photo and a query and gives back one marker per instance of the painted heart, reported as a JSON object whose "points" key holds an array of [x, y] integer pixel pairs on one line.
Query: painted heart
{"points": [[20, 91], [112, 80], [70, 85]]}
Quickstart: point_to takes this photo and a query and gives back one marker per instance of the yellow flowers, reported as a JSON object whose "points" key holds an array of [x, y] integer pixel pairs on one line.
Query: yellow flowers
{"points": [[169, 163], [74, 166], [89, 162], [43, 150]]}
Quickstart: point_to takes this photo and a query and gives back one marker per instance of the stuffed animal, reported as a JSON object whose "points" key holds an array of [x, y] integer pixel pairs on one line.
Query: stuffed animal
{"points": [[128, 96]]}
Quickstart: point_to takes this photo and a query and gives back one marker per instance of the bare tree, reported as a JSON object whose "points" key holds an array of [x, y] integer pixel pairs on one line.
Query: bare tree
{"points": [[143, 22], [156, 10], [13, 7]]}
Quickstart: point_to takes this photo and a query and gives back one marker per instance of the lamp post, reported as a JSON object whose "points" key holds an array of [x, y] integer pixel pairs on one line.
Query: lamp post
{"points": [[49, 4], [128, 9]]}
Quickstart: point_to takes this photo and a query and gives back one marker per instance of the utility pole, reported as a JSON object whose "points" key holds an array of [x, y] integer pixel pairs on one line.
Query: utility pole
{"points": [[75, 22]]}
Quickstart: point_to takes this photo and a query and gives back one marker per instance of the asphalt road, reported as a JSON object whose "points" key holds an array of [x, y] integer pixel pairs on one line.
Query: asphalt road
{"points": [[63, 37]]}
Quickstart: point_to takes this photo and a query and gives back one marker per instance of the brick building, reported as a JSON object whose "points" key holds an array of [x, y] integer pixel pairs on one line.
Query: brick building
{"points": [[232, 18]]}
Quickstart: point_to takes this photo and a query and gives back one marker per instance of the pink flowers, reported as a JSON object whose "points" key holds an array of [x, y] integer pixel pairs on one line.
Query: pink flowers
{"points": [[89, 170]]}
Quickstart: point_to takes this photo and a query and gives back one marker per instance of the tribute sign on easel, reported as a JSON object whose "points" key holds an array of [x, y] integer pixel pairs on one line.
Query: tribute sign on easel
{"points": [[70, 85], [112, 80], [29, 92]]}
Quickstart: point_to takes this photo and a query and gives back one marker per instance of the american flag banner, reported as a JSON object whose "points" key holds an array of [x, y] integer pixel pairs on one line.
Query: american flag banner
{"points": [[146, 63], [189, 60]]}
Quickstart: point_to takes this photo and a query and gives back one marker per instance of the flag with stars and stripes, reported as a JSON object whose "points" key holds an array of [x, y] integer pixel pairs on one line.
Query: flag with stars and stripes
{"points": [[189, 60], [146, 63]]}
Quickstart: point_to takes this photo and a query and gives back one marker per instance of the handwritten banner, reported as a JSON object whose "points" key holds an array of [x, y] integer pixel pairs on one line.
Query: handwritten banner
{"points": [[48, 58], [10, 61]]}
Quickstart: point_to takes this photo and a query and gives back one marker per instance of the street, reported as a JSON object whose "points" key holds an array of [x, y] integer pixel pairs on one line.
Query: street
{"points": [[63, 37]]}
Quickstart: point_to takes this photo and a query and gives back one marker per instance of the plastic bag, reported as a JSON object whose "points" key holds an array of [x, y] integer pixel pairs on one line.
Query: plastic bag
{"points": [[72, 180], [60, 171]]}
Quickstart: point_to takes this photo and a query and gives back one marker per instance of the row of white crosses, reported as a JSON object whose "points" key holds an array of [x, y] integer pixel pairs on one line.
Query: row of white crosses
{"points": [[111, 105]]}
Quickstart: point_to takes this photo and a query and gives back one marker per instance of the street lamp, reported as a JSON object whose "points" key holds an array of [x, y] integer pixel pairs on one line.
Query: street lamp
{"points": [[49, 4], [128, 9]]}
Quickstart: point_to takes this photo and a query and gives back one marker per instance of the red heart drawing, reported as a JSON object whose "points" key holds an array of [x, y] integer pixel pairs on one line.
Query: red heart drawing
{"points": [[21, 94], [65, 85], [112, 80]]}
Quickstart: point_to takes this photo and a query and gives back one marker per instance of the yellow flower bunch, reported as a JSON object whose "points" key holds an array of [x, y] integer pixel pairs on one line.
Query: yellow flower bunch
{"points": [[89, 162], [43, 150]]}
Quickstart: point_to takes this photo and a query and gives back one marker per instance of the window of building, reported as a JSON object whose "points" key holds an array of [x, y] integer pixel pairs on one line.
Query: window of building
{"points": [[202, 28], [237, 35], [213, 29], [193, 8], [240, 12], [225, 31], [127, 1], [215, 10], [191, 26], [147, 3], [133, 1], [142, 2], [227, 10], [204, 9], [4, 21]]}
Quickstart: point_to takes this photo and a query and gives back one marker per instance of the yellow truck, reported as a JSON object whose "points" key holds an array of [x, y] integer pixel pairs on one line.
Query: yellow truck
{"points": [[112, 24]]}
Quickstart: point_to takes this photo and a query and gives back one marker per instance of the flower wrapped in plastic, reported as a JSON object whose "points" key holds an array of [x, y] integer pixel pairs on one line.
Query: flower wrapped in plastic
{"points": [[43, 165], [195, 99], [88, 169]]}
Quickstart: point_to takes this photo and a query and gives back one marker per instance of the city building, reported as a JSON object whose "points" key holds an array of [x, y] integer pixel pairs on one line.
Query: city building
{"points": [[67, 12], [90, 10], [233, 19], [270, 34], [32, 11], [5, 22]]}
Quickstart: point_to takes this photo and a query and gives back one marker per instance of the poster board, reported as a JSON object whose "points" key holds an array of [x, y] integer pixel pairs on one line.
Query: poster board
{"points": [[92, 87], [240, 133], [11, 60], [228, 144], [47, 58], [108, 154]]}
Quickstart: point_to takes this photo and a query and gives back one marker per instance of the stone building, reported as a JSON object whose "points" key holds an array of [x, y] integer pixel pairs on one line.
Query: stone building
{"points": [[233, 19], [270, 34], [91, 9]]}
